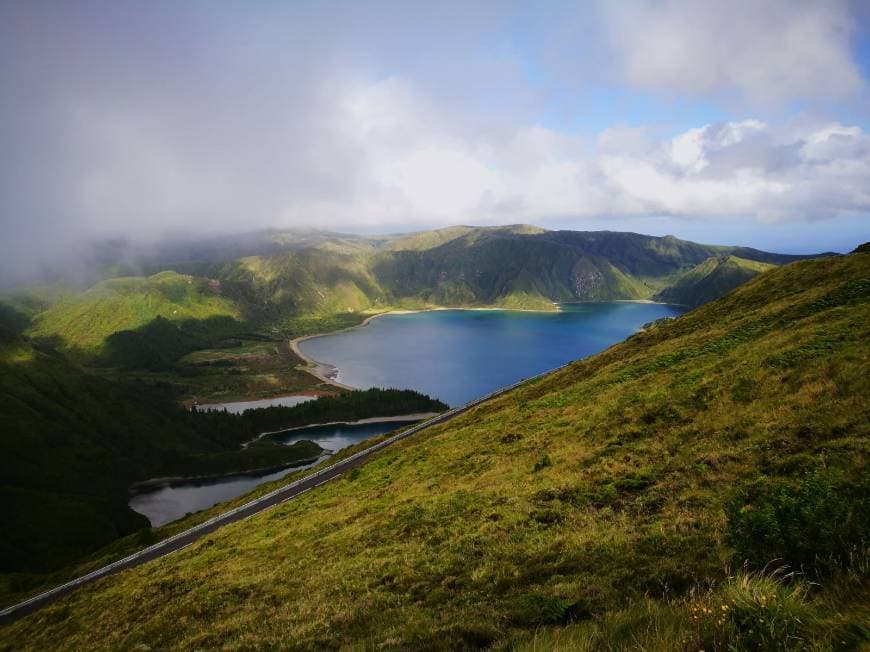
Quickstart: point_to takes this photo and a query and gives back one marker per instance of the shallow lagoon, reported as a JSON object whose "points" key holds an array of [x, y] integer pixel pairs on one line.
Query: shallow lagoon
{"points": [[237, 407]]}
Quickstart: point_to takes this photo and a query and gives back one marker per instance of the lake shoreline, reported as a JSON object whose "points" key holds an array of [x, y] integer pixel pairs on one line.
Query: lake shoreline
{"points": [[495, 346], [147, 486], [308, 393], [420, 416], [326, 372]]}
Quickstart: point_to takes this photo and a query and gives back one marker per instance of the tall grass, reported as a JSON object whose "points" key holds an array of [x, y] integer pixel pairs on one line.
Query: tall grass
{"points": [[763, 610]]}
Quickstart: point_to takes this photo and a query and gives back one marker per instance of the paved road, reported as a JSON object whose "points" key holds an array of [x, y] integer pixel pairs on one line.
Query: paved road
{"points": [[280, 495]]}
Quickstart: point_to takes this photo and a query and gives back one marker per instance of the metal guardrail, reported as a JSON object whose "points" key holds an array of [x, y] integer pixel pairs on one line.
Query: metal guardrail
{"points": [[164, 543]]}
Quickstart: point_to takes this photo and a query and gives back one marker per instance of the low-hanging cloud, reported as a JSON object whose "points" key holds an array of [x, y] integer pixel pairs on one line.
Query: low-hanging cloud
{"points": [[133, 120], [382, 153]]}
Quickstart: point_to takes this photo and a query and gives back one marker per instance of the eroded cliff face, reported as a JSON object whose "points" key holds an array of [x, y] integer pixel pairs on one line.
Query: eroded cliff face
{"points": [[586, 279]]}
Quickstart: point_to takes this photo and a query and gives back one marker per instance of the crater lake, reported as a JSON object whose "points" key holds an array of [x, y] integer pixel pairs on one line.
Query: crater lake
{"points": [[460, 355]]}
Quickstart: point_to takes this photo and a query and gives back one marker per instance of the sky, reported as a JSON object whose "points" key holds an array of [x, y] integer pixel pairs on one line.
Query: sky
{"points": [[742, 122]]}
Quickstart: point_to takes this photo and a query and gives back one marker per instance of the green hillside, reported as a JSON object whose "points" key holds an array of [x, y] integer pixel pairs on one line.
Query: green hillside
{"points": [[312, 281], [431, 239], [516, 266], [511, 267], [84, 321], [217, 330], [711, 279], [610, 505], [308, 283]]}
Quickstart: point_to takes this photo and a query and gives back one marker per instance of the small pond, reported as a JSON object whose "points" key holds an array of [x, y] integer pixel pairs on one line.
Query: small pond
{"points": [[237, 407], [169, 503]]}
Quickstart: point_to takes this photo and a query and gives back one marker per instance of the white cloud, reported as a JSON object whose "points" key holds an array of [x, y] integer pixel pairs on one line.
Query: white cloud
{"points": [[382, 153], [434, 174], [766, 51]]}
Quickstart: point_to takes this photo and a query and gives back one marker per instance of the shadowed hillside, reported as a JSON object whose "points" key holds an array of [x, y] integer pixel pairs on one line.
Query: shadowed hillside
{"points": [[73, 442], [711, 279]]}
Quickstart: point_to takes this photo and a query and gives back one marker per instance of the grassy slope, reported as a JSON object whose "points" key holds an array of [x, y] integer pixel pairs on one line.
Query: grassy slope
{"points": [[242, 370], [146, 327], [711, 279], [426, 239], [84, 321], [511, 267], [595, 486], [313, 282], [432, 239], [494, 268], [16, 587]]}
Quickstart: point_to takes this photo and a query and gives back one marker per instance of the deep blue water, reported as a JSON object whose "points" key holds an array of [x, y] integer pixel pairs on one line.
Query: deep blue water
{"points": [[460, 355]]}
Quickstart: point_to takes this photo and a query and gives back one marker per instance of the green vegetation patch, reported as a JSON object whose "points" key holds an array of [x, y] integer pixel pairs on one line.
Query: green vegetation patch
{"points": [[85, 321]]}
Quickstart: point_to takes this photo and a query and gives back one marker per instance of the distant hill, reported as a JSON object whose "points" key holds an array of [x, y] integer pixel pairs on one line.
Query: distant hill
{"points": [[618, 503], [84, 321], [315, 280], [510, 267], [710, 280]]}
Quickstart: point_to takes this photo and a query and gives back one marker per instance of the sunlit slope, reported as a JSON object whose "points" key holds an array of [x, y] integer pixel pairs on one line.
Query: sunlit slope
{"points": [[495, 268], [311, 283], [84, 321], [437, 237], [583, 491], [711, 279]]}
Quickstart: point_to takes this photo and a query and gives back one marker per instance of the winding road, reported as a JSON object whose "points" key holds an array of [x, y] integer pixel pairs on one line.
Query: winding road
{"points": [[276, 497]]}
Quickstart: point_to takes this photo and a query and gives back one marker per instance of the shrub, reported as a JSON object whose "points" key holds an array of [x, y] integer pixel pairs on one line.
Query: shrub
{"points": [[753, 611], [533, 609], [146, 536], [814, 524], [542, 463]]}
